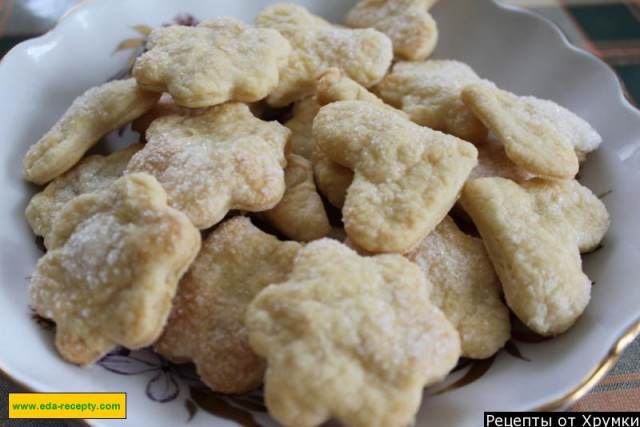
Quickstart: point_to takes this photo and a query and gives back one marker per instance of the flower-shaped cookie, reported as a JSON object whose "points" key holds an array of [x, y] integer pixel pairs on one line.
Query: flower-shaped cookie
{"points": [[93, 173], [349, 337], [465, 287], [94, 114], [217, 61], [363, 55], [221, 160], [536, 257], [410, 27], [114, 261], [430, 93], [406, 179], [206, 325]]}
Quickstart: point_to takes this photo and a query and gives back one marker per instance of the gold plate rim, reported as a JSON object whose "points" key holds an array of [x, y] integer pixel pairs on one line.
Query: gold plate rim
{"points": [[597, 373]]}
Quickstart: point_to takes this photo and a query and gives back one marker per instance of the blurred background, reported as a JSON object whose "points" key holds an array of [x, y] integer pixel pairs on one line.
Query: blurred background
{"points": [[610, 29]]}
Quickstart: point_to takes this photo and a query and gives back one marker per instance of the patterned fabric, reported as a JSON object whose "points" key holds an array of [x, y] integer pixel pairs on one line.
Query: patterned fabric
{"points": [[610, 29], [620, 389]]}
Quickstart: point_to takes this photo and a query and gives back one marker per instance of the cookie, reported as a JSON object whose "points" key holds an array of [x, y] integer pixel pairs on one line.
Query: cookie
{"points": [[407, 177], [94, 114], [430, 93], [166, 106], [217, 61], [494, 162], [93, 173], [465, 287], [408, 24], [206, 326], [332, 86], [349, 337], [332, 179], [572, 202], [539, 136], [536, 259], [221, 160], [300, 215], [114, 261], [363, 55], [300, 124]]}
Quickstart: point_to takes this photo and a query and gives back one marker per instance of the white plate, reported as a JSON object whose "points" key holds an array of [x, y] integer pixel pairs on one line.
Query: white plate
{"points": [[514, 48]]}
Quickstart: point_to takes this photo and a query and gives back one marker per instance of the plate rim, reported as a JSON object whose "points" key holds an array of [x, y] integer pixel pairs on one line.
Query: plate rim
{"points": [[632, 330], [622, 91]]}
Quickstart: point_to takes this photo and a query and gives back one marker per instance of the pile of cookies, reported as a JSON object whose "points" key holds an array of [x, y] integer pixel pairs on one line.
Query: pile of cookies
{"points": [[157, 245]]}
